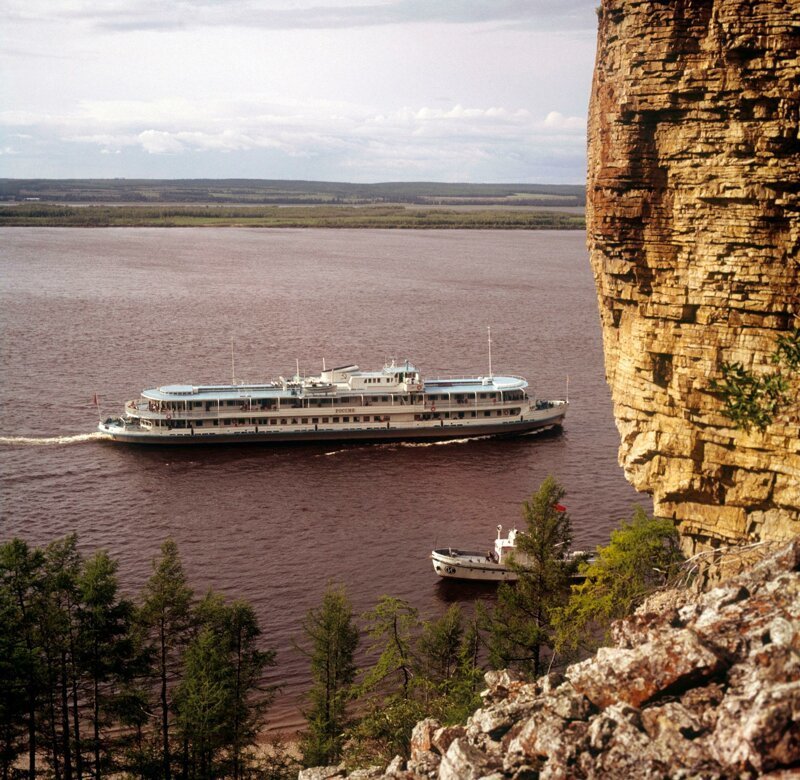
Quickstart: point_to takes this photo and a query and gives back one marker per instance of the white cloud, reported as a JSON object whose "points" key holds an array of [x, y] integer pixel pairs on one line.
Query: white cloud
{"points": [[557, 121], [158, 142], [190, 86], [358, 138]]}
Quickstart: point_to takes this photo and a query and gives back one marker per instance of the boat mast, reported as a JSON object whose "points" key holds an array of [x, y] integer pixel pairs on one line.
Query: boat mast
{"points": [[233, 365], [489, 328]]}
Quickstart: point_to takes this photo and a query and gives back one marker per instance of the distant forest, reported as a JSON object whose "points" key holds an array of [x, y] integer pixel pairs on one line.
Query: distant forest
{"points": [[277, 192]]}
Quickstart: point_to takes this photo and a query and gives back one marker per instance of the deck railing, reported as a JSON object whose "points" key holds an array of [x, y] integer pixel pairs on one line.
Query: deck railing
{"points": [[229, 412]]}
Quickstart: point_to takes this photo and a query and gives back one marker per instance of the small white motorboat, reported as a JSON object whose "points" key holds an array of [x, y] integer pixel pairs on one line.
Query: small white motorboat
{"points": [[491, 566]]}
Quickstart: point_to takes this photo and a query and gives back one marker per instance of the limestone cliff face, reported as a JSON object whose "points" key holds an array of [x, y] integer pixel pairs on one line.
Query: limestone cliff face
{"points": [[694, 234]]}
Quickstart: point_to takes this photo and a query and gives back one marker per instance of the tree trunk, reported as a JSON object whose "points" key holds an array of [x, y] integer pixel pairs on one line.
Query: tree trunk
{"points": [[164, 704], [65, 719]]}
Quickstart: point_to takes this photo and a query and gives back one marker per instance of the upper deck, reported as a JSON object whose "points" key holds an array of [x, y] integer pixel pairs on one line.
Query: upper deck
{"points": [[346, 380]]}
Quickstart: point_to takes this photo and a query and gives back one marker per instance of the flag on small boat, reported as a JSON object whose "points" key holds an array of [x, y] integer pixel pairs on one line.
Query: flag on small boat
{"points": [[559, 508], [95, 401]]}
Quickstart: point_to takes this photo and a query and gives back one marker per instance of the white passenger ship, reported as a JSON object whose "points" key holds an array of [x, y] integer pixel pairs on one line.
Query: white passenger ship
{"points": [[339, 404]]}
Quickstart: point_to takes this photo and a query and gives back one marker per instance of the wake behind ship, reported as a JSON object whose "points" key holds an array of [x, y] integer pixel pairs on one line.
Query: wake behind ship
{"points": [[339, 404]]}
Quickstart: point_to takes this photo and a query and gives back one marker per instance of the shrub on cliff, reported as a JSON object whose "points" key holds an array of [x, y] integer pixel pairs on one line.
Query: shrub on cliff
{"points": [[752, 400], [641, 556]]}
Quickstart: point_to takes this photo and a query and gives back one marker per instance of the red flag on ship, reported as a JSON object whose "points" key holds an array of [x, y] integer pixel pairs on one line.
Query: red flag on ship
{"points": [[559, 508], [95, 401]]}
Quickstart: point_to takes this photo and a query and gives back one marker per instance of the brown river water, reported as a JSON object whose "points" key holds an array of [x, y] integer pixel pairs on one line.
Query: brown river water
{"points": [[113, 311]]}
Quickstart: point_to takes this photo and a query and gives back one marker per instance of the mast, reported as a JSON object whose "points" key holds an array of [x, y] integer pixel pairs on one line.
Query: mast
{"points": [[489, 328], [233, 365]]}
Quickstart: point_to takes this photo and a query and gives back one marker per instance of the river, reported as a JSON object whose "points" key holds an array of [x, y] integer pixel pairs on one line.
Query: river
{"points": [[113, 311]]}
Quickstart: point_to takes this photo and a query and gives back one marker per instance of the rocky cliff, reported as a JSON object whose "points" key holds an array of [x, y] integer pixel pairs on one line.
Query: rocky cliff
{"points": [[693, 686], [694, 233]]}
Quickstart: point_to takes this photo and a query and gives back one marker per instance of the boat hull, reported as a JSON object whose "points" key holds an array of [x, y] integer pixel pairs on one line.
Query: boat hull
{"points": [[262, 434], [462, 565]]}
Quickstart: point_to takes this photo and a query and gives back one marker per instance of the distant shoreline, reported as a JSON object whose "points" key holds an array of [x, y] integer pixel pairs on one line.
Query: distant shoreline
{"points": [[383, 216], [275, 203]]}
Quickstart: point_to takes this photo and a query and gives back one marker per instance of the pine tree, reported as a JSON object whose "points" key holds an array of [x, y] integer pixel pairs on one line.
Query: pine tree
{"points": [[203, 700], [520, 626], [333, 639], [390, 625], [235, 657], [107, 651], [166, 615], [58, 638], [21, 683], [439, 645]]}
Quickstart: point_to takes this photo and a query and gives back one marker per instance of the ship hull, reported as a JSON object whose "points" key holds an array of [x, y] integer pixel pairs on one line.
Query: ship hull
{"points": [[387, 432], [460, 565]]}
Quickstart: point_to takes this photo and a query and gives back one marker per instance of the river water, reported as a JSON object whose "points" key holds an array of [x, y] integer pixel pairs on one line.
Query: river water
{"points": [[112, 311]]}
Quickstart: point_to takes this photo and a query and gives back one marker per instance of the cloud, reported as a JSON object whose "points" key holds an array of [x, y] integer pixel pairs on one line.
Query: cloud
{"points": [[455, 142], [159, 142], [555, 120], [124, 15]]}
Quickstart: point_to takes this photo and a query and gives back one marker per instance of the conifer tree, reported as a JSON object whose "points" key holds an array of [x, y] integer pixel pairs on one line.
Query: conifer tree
{"points": [[21, 683], [226, 649], [520, 626], [107, 651], [391, 625], [167, 617], [439, 645], [333, 639], [58, 638]]}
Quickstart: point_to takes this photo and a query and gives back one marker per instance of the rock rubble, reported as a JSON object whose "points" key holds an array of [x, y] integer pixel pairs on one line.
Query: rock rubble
{"points": [[694, 686]]}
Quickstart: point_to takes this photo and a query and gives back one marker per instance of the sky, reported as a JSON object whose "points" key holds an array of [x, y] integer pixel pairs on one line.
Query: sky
{"points": [[327, 90]]}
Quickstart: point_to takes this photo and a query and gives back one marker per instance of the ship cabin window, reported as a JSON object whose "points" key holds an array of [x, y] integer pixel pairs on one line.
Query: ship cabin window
{"points": [[304, 421], [356, 419], [273, 421], [315, 420], [335, 419], [487, 414], [346, 419], [324, 419], [283, 422]]}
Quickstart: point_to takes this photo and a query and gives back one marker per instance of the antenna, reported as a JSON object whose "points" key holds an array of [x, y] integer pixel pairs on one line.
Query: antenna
{"points": [[297, 373], [489, 328], [567, 398], [323, 364], [233, 365]]}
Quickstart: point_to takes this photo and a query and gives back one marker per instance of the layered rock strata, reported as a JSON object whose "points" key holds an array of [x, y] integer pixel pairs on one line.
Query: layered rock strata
{"points": [[694, 233], [704, 686]]}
